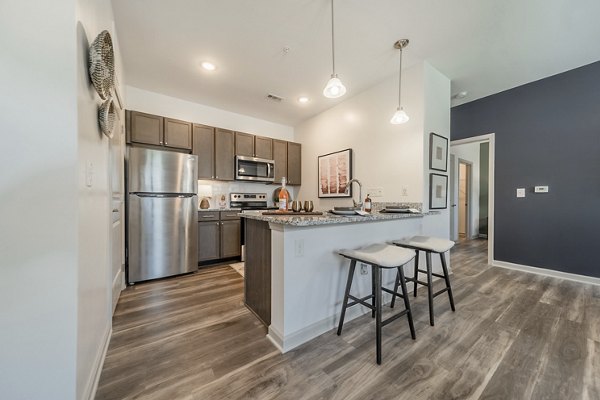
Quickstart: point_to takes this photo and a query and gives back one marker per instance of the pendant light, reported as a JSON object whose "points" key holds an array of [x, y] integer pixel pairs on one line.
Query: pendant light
{"points": [[334, 88], [400, 116]]}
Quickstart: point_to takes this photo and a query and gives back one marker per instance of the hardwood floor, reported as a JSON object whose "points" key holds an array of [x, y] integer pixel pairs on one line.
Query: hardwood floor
{"points": [[513, 336]]}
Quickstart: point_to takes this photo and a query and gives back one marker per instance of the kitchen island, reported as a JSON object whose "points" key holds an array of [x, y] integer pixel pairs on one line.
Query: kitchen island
{"points": [[294, 276]]}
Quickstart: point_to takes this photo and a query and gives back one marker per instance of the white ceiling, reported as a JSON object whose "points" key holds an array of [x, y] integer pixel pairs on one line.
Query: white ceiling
{"points": [[483, 46]]}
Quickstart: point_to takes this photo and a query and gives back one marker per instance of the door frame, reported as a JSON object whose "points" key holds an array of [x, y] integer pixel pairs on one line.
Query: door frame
{"points": [[491, 139], [468, 194]]}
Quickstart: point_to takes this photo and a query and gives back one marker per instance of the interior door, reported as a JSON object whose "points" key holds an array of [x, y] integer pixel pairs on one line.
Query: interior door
{"points": [[453, 199]]}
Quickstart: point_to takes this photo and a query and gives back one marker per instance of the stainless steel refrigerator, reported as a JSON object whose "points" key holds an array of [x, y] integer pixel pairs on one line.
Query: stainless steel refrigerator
{"points": [[162, 214]]}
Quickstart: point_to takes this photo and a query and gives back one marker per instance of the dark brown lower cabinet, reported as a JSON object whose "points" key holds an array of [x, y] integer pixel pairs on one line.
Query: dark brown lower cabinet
{"points": [[257, 269], [209, 240], [219, 235], [230, 239]]}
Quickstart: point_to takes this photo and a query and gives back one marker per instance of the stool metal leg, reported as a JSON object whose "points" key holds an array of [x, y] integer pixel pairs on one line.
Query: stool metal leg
{"points": [[377, 272], [396, 284], [447, 279], [345, 304], [416, 276], [406, 302], [373, 291], [430, 287]]}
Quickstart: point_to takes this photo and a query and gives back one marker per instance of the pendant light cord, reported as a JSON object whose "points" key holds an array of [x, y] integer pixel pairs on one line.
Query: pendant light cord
{"points": [[400, 80], [332, 40]]}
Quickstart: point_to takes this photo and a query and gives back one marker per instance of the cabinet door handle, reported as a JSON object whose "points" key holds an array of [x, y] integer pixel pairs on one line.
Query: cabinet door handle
{"points": [[217, 224], [207, 216]]}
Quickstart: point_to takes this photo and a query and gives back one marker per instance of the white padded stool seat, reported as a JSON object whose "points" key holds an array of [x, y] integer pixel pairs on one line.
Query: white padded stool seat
{"points": [[384, 255], [426, 243]]}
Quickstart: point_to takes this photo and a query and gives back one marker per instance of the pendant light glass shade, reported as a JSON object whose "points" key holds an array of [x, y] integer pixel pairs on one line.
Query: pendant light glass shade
{"points": [[399, 117], [334, 88]]}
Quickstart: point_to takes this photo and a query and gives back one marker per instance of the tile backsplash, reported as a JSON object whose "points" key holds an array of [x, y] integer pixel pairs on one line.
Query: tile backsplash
{"points": [[219, 188]]}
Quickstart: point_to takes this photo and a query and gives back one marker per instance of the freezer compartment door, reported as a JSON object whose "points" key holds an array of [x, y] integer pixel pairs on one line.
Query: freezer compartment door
{"points": [[163, 236], [156, 171]]}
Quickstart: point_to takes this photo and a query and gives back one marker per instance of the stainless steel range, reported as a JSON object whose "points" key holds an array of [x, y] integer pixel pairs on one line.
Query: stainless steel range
{"points": [[248, 202]]}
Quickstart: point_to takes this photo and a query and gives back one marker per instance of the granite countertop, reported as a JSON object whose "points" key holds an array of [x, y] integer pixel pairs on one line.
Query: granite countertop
{"points": [[219, 209], [329, 218]]}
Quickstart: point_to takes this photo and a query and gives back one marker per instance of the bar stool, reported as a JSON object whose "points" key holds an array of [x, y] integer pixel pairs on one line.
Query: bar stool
{"points": [[428, 245], [378, 256]]}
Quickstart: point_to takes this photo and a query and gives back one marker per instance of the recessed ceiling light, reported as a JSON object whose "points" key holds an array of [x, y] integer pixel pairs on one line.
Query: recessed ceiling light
{"points": [[303, 99], [209, 66]]}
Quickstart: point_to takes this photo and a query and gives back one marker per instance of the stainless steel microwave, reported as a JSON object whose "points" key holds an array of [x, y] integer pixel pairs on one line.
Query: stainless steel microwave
{"points": [[254, 169]]}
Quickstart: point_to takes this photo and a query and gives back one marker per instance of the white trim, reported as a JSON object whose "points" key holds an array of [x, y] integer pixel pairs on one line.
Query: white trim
{"points": [[92, 385], [547, 272], [491, 139], [470, 197]]}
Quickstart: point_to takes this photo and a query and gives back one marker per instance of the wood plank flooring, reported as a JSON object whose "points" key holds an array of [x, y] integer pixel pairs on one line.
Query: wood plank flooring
{"points": [[514, 336]]}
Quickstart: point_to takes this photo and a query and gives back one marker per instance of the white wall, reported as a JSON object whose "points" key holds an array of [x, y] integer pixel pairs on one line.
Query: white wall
{"points": [[384, 155], [469, 152], [38, 200], [437, 120], [94, 296], [156, 103]]}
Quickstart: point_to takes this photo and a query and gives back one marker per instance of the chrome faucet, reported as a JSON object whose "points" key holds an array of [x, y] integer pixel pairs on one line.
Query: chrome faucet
{"points": [[349, 185]]}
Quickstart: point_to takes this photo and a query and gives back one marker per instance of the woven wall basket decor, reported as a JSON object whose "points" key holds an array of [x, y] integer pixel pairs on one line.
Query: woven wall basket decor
{"points": [[107, 116], [101, 63]]}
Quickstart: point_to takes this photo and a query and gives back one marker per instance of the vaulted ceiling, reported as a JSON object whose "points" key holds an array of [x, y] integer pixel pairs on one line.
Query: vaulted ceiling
{"points": [[483, 46]]}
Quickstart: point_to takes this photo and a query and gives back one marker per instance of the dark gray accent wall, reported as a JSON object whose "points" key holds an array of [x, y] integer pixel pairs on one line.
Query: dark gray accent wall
{"points": [[547, 133]]}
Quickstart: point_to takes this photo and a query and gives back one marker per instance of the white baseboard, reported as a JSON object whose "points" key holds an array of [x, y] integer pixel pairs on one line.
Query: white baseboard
{"points": [[547, 272], [117, 286], [285, 343], [92, 386]]}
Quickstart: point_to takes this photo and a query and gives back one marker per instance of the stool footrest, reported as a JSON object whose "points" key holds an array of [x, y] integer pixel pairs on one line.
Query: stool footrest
{"points": [[394, 317], [361, 301], [419, 282], [440, 292], [423, 271], [392, 292]]}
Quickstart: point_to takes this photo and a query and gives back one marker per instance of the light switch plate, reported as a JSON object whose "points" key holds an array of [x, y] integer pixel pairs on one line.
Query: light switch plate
{"points": [[89, 173], [541, 189], [521, 192]]}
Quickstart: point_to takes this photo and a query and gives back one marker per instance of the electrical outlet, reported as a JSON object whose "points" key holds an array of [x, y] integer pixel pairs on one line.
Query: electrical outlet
{"points": [[404, 191], [299, 248], [363, 269], [375, 192]]}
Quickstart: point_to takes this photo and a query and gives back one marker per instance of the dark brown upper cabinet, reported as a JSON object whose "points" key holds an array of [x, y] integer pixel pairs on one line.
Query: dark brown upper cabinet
{"points": [[244, 144], [263, 147], [224, 154], [280, 158], [203, 145], [177, 134], [145, 128], [294, 163]]}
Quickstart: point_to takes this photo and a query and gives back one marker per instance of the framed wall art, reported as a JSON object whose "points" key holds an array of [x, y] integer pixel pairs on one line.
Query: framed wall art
{"points": [[438, 152], [438, 191], [335, 171]]}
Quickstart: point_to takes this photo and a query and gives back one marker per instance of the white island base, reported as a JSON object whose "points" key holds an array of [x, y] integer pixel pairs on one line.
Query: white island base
{"points": [[308, 276]]}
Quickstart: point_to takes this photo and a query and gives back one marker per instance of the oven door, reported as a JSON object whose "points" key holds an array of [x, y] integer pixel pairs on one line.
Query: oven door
{"points": [[254, 169]]}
